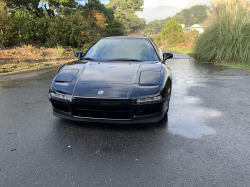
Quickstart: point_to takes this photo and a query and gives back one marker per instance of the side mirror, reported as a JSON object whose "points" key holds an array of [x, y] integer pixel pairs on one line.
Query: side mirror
{"points": [[167, 56], [78, 54]]}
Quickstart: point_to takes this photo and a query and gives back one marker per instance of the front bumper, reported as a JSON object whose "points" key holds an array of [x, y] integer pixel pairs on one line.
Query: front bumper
{"points": [[109, 111]]}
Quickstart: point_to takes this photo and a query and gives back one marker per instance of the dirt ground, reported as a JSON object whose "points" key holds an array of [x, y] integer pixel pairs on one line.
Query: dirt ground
{"points": [[29, 57]]}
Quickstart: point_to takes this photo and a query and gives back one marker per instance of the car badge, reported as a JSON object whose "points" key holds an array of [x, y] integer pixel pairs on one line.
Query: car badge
{"points": [[100, 92]]}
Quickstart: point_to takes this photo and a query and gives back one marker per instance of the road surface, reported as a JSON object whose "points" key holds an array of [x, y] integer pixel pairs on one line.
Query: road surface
{"points": [[204, 140]]}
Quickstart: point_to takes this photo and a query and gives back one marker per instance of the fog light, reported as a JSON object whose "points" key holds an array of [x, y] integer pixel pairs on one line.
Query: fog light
{"points": [[149, 99], [58, 96]]}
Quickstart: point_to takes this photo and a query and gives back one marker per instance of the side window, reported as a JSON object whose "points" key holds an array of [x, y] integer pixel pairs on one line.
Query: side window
{"points": [[157, 50], [161, 54]]}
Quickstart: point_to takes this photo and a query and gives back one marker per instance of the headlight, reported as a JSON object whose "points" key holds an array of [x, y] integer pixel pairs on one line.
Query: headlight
{"points": [[150, 78], [58, 96], [149, 99], [61, 96], [66, 75]]}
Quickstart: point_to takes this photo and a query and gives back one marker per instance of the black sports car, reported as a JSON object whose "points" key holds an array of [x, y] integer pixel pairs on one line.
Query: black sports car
{"points": [[119, 80]]}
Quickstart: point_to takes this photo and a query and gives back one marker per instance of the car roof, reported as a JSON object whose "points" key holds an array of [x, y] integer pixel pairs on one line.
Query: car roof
{"points": [[126, 37]]}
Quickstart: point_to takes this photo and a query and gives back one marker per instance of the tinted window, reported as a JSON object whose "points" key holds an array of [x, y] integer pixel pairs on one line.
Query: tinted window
{"points": [[110, 49]]}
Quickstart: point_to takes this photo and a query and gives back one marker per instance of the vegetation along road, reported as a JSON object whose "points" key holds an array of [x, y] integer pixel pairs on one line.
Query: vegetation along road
{"points": [[204, 140]]}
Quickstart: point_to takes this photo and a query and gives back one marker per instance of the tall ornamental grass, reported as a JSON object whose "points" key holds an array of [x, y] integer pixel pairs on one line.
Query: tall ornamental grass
{"points": [[227, 35]]}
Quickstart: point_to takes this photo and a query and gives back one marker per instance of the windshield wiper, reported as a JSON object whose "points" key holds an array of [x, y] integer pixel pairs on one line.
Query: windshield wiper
{"points": [[88, 59], [124, 59]]}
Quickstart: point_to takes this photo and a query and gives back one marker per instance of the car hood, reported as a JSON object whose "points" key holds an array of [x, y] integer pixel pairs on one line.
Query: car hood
{"points": [[113, 73], [115, 79]]}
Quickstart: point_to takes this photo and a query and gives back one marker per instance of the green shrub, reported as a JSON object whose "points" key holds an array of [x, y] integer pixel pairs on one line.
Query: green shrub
{"points": [[60, 50], [6, 26], [170, 29]]}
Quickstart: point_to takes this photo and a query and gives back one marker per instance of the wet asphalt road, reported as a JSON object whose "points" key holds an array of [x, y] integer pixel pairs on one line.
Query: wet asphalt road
{"points": [[204, 141]]}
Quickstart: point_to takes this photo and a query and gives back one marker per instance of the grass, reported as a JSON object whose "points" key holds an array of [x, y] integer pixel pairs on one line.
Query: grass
{"points": [[188, 52], [226, 39], [237, 66], [245, 67], [60, 51], [230, 65], [30, 57]]}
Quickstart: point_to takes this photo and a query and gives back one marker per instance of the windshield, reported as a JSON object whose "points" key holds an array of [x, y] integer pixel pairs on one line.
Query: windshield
{"points": [[122, 49]]}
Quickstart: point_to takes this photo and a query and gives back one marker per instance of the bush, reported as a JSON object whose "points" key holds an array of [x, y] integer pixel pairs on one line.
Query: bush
{"points": [[6, 26], [60, 51], [78, 27], [226, 38], [179, 39], [76, 30], [170, 29]]}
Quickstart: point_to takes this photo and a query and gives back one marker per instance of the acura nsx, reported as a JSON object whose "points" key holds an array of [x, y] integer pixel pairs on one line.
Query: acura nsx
{"points": [[118, 80]]}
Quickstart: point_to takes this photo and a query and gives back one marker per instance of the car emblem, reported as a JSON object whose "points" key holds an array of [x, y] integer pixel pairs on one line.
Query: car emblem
{"points": [[100, 92]]}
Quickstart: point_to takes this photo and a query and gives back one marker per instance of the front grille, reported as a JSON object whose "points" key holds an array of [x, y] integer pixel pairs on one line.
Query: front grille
{"points": [[103, 102], [101, 114], [102, 108], [98, 108]]}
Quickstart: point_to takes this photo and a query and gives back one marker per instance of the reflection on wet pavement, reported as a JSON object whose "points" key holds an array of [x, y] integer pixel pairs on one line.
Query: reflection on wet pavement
{"points": [[187, 117]]}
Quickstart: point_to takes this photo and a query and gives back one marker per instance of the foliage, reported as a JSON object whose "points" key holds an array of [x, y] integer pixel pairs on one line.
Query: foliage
{"points": [[29, 56], [125, 13], [113, 26], [134, 24], [139, 34], [73, 29], [179, 18], [33, 6], [126, 7], [60, 51], [193, 15], [6, 26], [172, 28], [154, 27], [29, 47], [191, 36], [157, 39], [24, 22], [174, 37], [226, 39]]}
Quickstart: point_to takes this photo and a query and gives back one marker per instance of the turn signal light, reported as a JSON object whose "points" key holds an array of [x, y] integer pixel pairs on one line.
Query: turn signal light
{"points": [[169, 90]]}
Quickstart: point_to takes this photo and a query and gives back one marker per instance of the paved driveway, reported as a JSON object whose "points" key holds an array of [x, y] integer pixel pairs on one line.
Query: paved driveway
{"points": [[204, 141]]}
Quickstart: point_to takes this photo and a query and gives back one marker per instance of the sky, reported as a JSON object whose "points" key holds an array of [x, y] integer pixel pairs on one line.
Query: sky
{"points": [[161, 9]]}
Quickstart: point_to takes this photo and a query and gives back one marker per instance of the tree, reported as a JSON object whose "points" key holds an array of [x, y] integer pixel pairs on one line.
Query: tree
{"points": [[168, 19], [33, 6], [113, 26], [125, 10], [179, 18], [171, 28], [134, 23], [6, 26], [154, 27], [58, 22], [195, 14]]}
